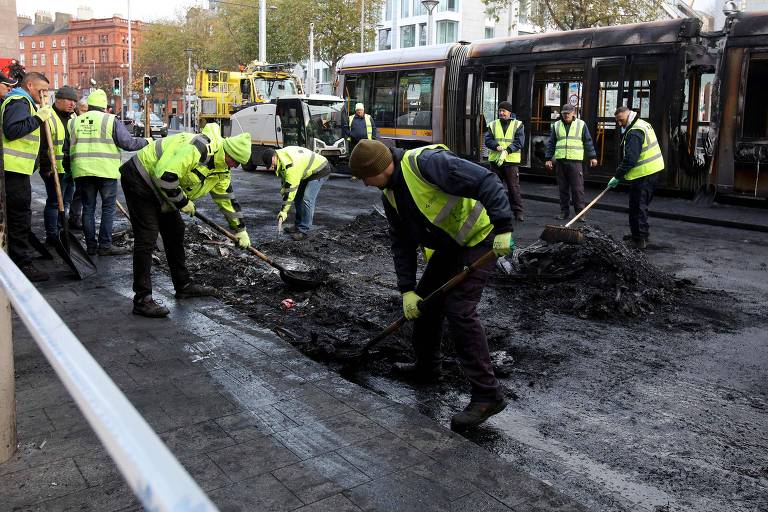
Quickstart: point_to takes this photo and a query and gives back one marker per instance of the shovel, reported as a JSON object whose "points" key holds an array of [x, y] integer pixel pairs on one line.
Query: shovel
{"points": [[303, 280], [66, 244], [351, 355], [566, 233]]}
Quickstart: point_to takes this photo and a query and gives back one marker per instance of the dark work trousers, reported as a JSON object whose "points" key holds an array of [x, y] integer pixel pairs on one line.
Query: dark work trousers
{"points": [[76, 208], [147, 221], [570, 181], [460, 309], [510, 178], [51, 210], [18, 202], [640, 197]]}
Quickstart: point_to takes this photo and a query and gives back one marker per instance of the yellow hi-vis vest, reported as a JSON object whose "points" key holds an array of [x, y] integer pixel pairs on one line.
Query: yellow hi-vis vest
{"points": [[368, 125], [58, 135], [464, 219], [20, 155], [650, 160], [505, 139], [92, 151], [570, 145]]}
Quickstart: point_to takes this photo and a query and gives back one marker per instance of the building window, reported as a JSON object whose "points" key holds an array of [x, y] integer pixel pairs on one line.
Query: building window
{"points": [[405, 8], [53, 43], [42, 59], [22, 59], [21, 45], [104, 38], [55, 80], [55, 59], [448, 5], [33, 45], [82, 39], [34, 59], [42, 44], [63, 43], [388, 9], [104, 55], [447, 31], [408, 36], [81, 56], [385, 39], [422, 34], [418, 8], [489, 32]]}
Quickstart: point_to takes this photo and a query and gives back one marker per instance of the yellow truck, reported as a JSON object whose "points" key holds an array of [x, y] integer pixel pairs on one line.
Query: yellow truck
{"points": [[221, 93]]}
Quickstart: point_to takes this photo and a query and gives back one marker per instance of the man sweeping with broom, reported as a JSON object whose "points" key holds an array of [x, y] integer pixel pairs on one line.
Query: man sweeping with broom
{"points": [[459, 211]]}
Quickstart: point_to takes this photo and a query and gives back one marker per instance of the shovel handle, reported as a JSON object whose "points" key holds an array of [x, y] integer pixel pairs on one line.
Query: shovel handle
{"points": [[233, 237], [52, 157], [122, 209], [590, 205]]}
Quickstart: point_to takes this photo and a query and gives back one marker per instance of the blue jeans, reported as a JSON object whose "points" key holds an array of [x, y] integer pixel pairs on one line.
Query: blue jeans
{"points": [[51, 210], [305, 203], [89, 187]]}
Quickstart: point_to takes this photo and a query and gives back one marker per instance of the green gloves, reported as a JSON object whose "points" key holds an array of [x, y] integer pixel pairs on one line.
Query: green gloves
{"points": [[411, 305], [243, 241], [614, 181], [503, 244], [189, 209], [282, 216], [44, 113]]}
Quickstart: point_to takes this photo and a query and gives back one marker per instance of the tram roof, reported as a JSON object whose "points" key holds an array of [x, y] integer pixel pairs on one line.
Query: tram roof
{"points": [[428, 55], [655, 32], [749, 24]]}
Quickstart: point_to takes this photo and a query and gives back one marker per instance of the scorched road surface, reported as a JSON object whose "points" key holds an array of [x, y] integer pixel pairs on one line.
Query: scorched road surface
{"points": [[649, 395]]}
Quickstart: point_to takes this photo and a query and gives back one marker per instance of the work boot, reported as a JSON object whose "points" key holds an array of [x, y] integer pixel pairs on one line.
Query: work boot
{"points": [[195, 290], [299, 236], [476, 413], [562, 216], [114, 251], [33, 273], [290, 229], [416, 373], [149, 308]]}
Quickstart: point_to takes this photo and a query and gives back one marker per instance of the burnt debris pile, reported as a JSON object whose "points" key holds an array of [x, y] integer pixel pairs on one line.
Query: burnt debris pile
{"points": [[599, 278]]}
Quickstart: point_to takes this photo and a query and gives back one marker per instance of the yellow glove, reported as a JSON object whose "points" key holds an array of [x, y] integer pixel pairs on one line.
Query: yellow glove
{"points": [[44, 113], [503, 244], [243, 241], [189, 209], [502, 158], [411, 305], [282, 216], [149, 139]]}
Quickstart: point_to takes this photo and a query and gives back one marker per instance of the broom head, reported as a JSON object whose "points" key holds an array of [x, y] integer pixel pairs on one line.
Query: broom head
{"points": [[553, 234]]}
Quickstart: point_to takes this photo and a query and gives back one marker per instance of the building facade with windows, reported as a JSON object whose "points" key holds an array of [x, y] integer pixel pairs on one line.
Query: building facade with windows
{"points": [[43, 46]]}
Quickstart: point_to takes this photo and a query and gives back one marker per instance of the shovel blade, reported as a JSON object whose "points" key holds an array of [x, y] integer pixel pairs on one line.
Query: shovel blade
{"points": [[74, 255]]}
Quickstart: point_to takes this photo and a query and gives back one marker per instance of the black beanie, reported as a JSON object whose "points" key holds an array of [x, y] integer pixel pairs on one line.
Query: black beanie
{"points": [[506, 106]]}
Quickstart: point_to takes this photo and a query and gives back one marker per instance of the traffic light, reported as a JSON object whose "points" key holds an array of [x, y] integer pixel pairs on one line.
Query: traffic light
{"points": [[116, 86], [147, 85]]}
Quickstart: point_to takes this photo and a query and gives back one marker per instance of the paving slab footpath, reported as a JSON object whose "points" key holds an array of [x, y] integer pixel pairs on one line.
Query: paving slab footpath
{"points": [[258, 425]]}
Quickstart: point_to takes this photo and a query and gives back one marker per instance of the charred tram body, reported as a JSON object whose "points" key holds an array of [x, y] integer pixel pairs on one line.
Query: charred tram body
{"points": [[703, 93]]}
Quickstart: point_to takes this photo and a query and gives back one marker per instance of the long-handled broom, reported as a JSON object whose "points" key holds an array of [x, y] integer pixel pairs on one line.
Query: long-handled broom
{"points": [[566, 233]]}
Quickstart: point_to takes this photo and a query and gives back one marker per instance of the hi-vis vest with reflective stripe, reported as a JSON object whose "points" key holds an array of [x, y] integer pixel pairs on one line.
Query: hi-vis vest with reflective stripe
{"points": [[464, 219], [20, 155], [151, 153], [570, 145], [297, 164], [650, 160], [368, 125], [58, 134], [92, 151], [504, 140]]}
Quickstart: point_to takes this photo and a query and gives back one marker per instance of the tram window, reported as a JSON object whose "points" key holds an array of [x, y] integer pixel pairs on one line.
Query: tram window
{"points": [[414, 99], [645, 79], [553, 87], [705, 96], [384, 88], [357, 89], [495, 87], [755, 113]]}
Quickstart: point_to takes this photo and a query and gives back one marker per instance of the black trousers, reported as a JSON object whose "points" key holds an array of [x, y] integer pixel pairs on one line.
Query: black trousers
{"points": [[18, 207], [640, 197], [147, 221], [510, 178], [459, 307], [570, 182]]}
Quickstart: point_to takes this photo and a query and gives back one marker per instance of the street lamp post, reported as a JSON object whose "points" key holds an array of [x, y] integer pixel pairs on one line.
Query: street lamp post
{"points": [[263, 31], [188, 92], [130, 63], [362, 26], [311, 71], [430, 5]]}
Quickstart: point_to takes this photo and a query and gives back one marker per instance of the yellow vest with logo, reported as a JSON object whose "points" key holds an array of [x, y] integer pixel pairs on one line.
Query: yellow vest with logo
{"points": [[570, 144], [650, 160], [463, 219], [368, 125], [505, 139], [20, 155], [92, 151], [58, 135]]}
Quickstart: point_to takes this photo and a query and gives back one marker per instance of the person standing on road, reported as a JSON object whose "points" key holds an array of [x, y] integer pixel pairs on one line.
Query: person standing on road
{"points": [[96, 139], [63, 108], [22, 120], [568, 141], [458, 209], [641, 163], [303, 173], [160, 182], [505, 138], [360, 127], [6, 85]]}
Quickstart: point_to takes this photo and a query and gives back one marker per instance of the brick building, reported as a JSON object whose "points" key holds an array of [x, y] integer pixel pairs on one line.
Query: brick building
{"points": [[43, 46]]}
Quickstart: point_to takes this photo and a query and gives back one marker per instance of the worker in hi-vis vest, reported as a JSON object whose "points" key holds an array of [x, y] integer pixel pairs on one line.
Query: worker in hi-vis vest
{"points": [[359, 127], [505, 138], [640, 165]]}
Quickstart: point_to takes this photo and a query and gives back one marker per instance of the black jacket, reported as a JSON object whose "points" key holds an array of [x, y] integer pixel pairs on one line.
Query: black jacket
{"points": [[632, 147], [359, 131], [409, 228]]}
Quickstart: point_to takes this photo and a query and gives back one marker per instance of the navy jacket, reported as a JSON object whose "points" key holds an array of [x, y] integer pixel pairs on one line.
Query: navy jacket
{"points": [[586, 138], [359, 131], [409, 228], [17, 120], [633, 145], [517, 143]]}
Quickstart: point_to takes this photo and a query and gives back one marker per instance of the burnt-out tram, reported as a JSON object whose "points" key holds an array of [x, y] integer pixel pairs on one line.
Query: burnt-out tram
{"points": [[704, 94]]}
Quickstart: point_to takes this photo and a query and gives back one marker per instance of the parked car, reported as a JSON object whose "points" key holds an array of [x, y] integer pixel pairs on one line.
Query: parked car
{"points": [[134, 121]]}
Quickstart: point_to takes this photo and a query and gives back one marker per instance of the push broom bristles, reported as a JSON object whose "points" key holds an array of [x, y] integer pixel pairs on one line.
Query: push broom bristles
{"points": [[565, 234]]}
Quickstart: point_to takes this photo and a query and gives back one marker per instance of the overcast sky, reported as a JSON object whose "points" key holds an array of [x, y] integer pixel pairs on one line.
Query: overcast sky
{"points": [[145, 10]]}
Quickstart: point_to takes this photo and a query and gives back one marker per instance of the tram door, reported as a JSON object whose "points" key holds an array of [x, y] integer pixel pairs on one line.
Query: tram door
{"points": [[606, 135]]}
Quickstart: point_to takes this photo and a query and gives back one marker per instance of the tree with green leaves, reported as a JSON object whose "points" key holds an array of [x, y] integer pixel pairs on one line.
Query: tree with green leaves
{"points": [[575, 14]]}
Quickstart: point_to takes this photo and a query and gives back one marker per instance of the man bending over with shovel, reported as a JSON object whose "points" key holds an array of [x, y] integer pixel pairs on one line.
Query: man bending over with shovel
{"points": [[161, 181], [436, 200]]}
